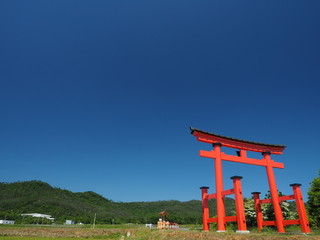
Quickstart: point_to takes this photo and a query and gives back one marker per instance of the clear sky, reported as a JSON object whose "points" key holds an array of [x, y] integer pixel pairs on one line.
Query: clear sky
{"points": [[99, 95]]}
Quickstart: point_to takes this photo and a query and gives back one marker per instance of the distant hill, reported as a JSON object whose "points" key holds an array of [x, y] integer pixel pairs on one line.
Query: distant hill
{"points": [[39, 197]]}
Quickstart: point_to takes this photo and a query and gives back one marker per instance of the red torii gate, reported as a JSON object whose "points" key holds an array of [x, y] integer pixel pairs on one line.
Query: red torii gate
{"points": [[266, 149]]}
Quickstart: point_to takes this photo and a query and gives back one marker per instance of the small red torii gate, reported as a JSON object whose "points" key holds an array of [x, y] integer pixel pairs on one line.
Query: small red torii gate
{"points": [[266, 149]]}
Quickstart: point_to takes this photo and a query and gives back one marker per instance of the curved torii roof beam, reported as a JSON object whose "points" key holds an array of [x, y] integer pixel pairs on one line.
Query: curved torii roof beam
{"points": [[208, 137]]}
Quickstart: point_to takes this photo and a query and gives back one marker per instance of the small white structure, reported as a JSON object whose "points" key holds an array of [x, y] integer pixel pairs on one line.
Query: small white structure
{"points": [[69, 222], [39, 215], [149, 225], [6, 222]]}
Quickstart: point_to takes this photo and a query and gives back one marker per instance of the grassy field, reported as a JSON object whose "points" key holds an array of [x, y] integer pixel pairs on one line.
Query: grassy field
{"points": [[135, 232]]}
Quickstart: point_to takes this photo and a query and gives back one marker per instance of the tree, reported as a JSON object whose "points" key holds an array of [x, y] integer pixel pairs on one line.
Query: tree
{"points": [[250, 212], [314, 201], [268, 211]]}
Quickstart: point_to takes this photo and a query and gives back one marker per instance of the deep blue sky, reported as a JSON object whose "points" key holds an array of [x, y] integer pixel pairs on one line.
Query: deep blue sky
{"points": [[99, 95]]}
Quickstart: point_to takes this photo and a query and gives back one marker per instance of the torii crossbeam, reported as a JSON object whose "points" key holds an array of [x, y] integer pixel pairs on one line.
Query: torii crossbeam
{"points": [[243, 146]]}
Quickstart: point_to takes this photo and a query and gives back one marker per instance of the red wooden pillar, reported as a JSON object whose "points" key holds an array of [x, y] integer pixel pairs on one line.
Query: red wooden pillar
{"points": [[257, 206], [241, 217], [219, 189], [274, 193], [205, 209], [300, 208]]}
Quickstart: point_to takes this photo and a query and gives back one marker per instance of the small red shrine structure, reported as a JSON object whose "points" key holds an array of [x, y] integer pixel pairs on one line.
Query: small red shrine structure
{"points": [[243, 146], [162, 223]]}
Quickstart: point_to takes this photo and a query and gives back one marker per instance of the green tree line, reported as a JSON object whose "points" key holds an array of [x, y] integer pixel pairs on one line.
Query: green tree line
{"points": [[39, 197]]}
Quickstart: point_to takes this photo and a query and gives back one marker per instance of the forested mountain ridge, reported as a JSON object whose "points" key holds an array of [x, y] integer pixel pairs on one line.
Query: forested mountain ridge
{"points": [[39, 197]]}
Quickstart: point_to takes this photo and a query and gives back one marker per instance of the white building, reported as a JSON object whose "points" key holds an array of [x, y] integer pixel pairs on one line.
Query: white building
{"points": [[39, 215], [6, 222], [68, 222]]}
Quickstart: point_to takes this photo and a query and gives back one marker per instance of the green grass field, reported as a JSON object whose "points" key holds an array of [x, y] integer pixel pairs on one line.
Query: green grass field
{"points": [[137, 232]]}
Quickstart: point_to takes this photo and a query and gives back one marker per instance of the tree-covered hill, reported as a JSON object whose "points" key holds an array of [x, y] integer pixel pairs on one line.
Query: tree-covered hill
{"points": [[39, 197]]}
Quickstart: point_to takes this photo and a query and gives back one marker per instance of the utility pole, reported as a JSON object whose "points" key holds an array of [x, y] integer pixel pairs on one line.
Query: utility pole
{"points": [[94, 220]]}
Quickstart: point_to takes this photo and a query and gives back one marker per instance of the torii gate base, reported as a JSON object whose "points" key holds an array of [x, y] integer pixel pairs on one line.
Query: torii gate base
{"points": [[297, 196], [240, 215], [243, 146]]}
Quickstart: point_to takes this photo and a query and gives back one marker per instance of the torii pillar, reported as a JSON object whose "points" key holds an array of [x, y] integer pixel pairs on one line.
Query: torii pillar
{"points": [[242, 145]]}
